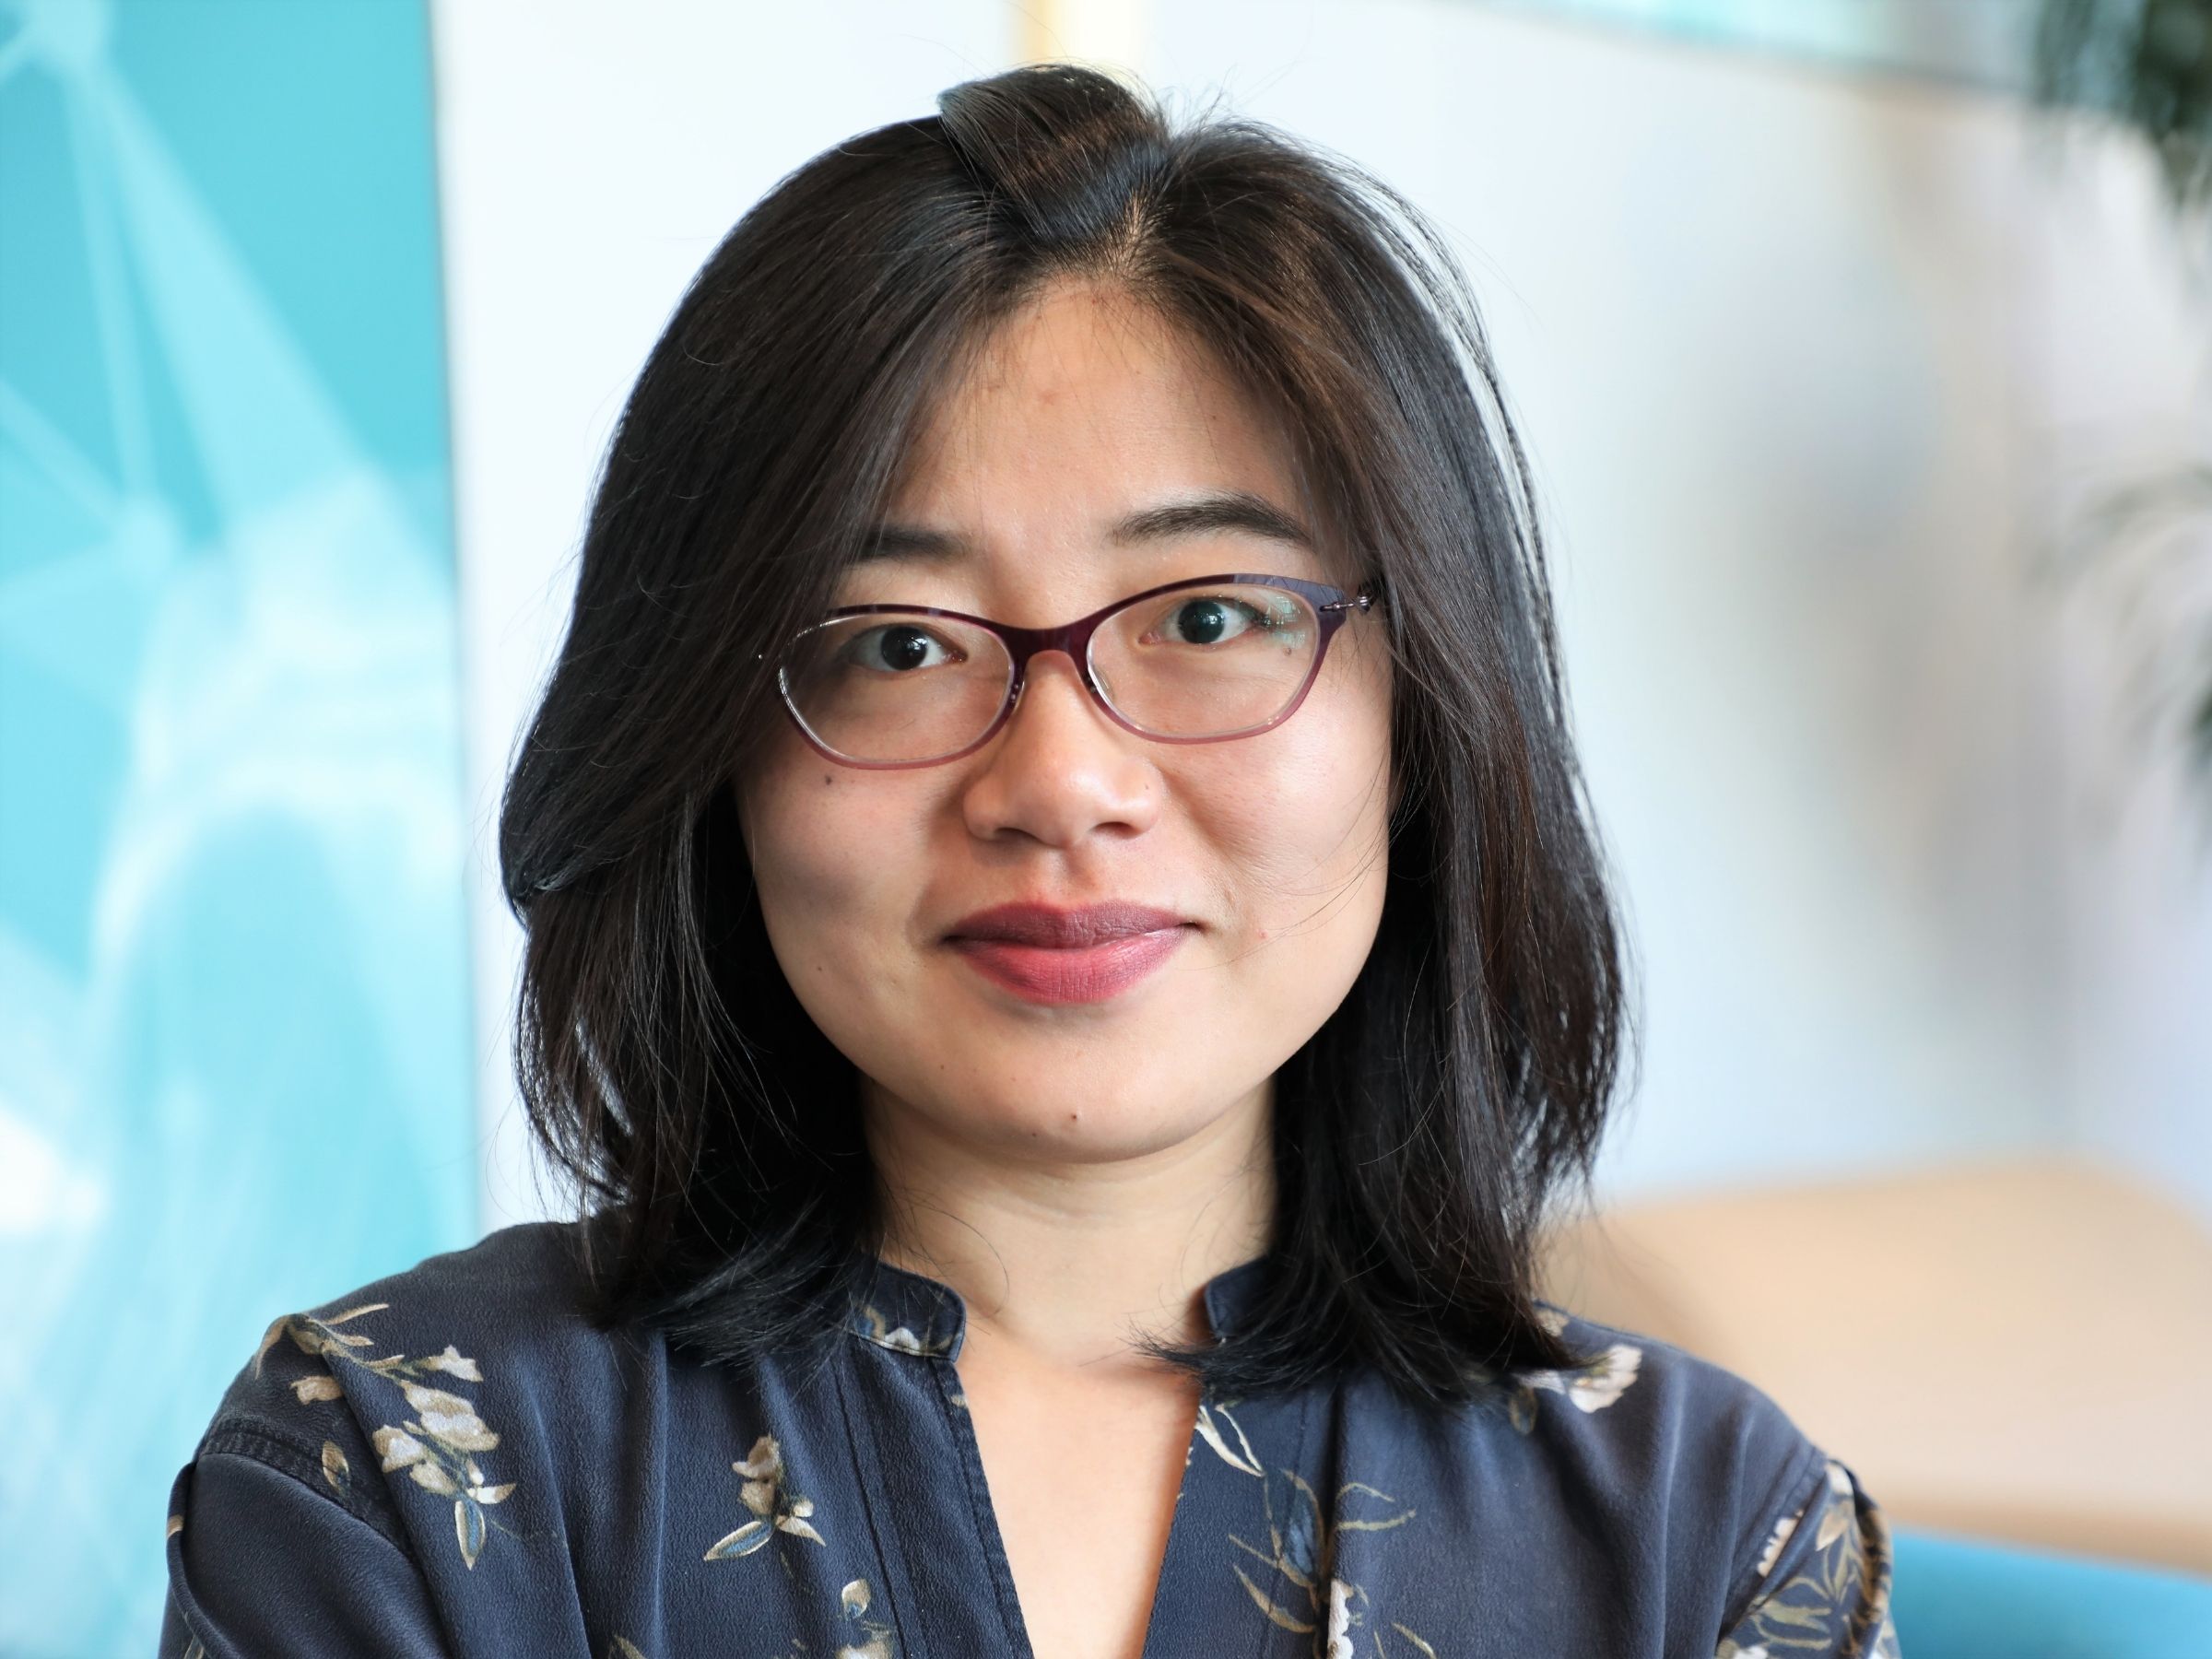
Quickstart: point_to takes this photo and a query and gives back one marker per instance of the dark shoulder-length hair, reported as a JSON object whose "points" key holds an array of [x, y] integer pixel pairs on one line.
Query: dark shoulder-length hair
{"points": [[1422, 1134]]}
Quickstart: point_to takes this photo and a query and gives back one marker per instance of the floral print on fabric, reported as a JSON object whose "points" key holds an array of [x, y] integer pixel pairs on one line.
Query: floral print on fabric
{"points": [[778, 1508], [1300, 1550], [1831, 1598], [775, 1509], [875, 1328], [854, 1599], [834, 1505], [1591, 1386], [436, 1446]]}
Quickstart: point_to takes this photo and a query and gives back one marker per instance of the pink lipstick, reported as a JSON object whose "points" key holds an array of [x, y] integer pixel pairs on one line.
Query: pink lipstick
{"points": [[1067, 956]]}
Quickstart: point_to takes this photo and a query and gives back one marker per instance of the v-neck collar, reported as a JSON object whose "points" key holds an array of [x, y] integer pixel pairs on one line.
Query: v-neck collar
{"points": [[1254, 1508]]}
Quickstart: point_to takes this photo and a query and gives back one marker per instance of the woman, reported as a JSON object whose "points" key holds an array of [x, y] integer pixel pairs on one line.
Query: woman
{"points": [[1066, 957]]}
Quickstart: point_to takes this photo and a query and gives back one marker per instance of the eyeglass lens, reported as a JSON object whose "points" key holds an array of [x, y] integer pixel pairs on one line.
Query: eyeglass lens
{"points": [[894, 686]]}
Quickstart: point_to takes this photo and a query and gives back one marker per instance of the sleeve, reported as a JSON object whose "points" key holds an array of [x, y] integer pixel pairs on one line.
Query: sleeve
{"points": [[262, 1564], [1822, 1584]]}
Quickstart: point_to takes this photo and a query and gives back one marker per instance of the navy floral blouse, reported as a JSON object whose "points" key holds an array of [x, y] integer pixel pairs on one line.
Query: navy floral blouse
{"points": [[454, 1462]]}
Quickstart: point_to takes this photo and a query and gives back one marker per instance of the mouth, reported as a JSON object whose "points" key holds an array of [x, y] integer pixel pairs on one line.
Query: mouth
{"points": [[1050, 956]]}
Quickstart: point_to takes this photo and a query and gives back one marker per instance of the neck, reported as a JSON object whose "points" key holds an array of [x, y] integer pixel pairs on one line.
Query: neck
{"points": [[1063, 1259]]}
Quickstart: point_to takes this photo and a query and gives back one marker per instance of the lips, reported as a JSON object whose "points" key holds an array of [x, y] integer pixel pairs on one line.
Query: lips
{"points": [[1053, 955]]}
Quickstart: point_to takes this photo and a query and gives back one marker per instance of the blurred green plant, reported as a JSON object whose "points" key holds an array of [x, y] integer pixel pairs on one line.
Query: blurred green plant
{"points": [[2145, 68], [2142, 64]]}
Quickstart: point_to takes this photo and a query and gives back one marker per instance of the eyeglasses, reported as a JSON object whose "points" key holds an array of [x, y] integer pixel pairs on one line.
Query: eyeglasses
{"points": [[1199, 661]]}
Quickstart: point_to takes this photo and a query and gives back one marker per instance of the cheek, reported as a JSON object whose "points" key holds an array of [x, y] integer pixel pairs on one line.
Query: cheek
{"points": [[1299, 817], [836, 857]]}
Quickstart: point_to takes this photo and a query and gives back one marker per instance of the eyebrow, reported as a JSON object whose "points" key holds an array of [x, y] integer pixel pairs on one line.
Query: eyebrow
{"points": [[1235, 509]]}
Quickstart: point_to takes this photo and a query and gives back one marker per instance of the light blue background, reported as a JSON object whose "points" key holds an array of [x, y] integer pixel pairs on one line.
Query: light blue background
{"points": [[235, 1062], [1974, 43]]}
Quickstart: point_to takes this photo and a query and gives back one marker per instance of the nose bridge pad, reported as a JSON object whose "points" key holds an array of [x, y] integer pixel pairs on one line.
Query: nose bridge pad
{"points": [[1077, 667]]}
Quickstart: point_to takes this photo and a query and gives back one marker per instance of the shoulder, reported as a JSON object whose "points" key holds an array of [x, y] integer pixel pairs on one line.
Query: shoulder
{"points": [[1640, 1397], [406, 1379], [521, 1276], [379, 1441], [1673, 1446], [519, 1291], [1796, 1553]]}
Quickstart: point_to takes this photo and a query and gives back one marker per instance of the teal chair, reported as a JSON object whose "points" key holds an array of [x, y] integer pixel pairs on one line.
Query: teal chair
{"points": [[1963, 1599]]}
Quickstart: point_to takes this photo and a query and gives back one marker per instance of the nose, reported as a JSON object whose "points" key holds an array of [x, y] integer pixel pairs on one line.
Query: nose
{"points": [[1060, 770]]}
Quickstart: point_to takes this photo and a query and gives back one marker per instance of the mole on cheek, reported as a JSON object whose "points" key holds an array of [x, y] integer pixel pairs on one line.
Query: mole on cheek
{"points": [[827, 779]]}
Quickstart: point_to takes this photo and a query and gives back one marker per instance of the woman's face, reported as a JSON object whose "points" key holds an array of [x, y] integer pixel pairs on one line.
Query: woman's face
{"points": [[1266, 854]]}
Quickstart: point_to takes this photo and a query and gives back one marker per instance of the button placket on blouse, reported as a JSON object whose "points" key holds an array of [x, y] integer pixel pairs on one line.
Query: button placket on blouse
{"points": [[918, 1323], [925, 1323], [882, 1395]]}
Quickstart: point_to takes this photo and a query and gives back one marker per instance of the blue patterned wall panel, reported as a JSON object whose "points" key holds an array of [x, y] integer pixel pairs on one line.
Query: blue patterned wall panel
{"points": [[235, 1059]]}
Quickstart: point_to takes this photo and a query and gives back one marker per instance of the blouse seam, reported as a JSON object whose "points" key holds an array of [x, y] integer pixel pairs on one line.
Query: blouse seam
{"points": [[885, 1552], [1311, 1455], [1799, 1485], [274, 1450], [987, 1536]]}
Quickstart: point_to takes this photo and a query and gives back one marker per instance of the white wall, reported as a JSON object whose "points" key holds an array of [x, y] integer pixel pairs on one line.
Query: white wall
{"points": [[2118, 387], [1794, 353]]}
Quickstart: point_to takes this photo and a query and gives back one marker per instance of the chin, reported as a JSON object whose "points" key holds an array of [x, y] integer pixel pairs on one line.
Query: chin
{"points": [[1063, 1108]]}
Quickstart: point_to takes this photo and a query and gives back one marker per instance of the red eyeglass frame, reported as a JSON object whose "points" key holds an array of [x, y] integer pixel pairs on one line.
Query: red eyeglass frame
{"points": [[1331, 604]]}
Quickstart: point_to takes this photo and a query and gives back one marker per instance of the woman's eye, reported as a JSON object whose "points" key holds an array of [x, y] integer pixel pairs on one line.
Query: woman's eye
{"points": [[899, 648], [1209, 621]]}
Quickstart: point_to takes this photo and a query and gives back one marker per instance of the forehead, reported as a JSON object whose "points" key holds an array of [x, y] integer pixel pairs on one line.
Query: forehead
{"points": [[1082, 409]]}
